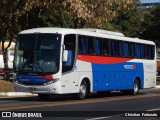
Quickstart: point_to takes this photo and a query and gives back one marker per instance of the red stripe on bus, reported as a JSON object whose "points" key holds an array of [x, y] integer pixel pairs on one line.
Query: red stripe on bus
{"points": [[102, 59], [49, 77]]}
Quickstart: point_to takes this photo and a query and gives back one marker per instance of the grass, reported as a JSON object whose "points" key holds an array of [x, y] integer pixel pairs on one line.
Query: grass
{"points": [[6, 86]]}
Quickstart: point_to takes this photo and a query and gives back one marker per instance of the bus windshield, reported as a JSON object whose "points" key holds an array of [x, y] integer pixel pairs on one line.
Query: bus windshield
{"points": [[37, 53]]}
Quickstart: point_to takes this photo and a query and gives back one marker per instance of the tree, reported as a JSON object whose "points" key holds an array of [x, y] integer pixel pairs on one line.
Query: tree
{"points": [[128, 22], [151, 25], [18, 15], [82, 13], [97, 14], [9, 13]]}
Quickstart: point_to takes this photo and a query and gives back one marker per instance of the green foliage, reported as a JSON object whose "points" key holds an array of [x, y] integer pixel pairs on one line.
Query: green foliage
{"points": [[115, 15], [151, 25], [128, 23]]}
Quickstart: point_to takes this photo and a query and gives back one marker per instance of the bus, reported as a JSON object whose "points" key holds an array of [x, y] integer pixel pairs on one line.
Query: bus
{"points": [[10, 55], [82, 61]]}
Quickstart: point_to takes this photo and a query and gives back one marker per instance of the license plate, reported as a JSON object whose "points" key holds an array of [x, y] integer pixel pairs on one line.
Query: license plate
{"points": [[32, 88]]}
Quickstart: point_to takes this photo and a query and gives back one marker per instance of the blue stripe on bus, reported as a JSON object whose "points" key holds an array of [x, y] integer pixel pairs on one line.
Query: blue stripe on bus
{"points": [[32, 79], [116, 76]]}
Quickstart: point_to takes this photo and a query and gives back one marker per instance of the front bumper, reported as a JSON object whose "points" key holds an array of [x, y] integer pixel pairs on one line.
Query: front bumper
{"points": [[54, 88]]}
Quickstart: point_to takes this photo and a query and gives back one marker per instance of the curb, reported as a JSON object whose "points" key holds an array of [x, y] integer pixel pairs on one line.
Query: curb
{"points": [[16, 94], [157, 86]]}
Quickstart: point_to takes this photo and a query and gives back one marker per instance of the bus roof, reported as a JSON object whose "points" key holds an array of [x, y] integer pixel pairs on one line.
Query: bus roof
{"points": [[88, 32]]}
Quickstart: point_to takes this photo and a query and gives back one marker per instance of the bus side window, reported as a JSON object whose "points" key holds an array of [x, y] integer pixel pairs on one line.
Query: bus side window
{"points": [[150, 52], [126, 49], [105, 47], [138, 51], [142, 51], [91, 50], [98, 46], [83, 45], [120, 48], [113, 48], [70, 45], [132, 47]]}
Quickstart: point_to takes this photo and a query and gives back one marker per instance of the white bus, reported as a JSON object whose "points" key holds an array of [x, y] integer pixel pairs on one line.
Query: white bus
{"points": [[63, 61]]}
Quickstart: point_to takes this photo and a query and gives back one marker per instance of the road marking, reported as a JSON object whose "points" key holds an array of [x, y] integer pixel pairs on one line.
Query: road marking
{"points": [[100, 118], [154, 109], [106, 99]]}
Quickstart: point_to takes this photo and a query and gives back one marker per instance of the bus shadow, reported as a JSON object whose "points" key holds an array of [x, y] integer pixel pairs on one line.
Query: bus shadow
{"points": [[68, 97]]}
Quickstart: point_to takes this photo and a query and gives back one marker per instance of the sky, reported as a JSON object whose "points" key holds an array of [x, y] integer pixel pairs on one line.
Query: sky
{"points": [[150, 1]]}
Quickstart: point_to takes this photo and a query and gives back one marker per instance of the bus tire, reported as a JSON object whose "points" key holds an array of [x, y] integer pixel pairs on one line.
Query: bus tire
{"points": [[83, 91], [135, 89], [44, 96]]}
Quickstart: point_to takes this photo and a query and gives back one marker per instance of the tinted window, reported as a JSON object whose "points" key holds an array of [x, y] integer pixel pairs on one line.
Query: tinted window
{"points": [[91, 50], [150, 52], [132, 47], [120, 48], [70, 44], [106, 47], [98, 46], [126, 49], [83, 45], [142, 51], [86, 45], [113, 48], [138, 51]]}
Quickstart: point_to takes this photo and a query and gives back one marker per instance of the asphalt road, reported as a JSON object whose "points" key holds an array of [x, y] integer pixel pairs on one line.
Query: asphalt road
{"points": [[115, 106]]}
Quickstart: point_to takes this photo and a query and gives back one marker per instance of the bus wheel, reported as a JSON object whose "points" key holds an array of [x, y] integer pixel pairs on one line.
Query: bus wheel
{"points": [[135, 90], [44, 96], [83, 91]]}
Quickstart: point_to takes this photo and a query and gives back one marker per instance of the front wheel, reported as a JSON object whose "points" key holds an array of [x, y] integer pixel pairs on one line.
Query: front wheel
{"points": [[83, 91]]}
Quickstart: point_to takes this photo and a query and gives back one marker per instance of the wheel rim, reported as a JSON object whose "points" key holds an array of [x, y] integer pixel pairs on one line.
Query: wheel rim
{"points": [[83, 90]]}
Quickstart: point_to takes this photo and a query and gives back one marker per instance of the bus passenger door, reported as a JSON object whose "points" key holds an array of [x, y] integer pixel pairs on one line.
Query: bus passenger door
{"points": [[68, 74]]}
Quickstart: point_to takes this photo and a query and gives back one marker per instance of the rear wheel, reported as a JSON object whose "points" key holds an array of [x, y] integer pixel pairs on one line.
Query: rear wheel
{"points": [[135, 90], [44, 96], [83, 91]]}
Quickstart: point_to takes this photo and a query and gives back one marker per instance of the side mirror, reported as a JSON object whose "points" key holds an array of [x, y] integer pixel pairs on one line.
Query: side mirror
{"points": [[65, 55]]}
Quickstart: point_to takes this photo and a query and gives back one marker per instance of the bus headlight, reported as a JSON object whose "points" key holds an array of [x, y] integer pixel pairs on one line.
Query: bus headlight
{"points": [[51, 81]]}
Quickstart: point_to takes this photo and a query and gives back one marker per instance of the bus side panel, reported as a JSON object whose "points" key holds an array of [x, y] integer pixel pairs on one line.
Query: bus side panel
{"points": [[150, 74], [119, 76], [71, 81], [100, 81]]}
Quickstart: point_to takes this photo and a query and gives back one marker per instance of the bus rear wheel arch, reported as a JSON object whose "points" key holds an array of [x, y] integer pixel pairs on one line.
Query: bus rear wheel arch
{"points": [[135, 89]]}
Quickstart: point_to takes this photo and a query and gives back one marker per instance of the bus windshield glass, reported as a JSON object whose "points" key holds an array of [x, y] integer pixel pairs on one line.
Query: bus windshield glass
{"points": [[37, 53]]}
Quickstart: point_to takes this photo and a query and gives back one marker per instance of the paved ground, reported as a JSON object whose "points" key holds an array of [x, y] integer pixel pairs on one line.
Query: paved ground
{"points": [[95, 108]]}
